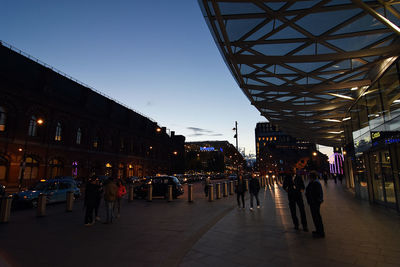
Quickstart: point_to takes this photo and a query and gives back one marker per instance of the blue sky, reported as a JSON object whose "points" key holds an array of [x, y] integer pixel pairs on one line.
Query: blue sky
{"points": [[157, 57]]}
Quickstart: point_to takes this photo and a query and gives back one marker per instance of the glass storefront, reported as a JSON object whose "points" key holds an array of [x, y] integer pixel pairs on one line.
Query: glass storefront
{"points": [[373, 140]]}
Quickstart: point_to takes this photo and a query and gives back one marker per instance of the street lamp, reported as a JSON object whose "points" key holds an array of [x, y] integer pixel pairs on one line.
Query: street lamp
{"points": [[39, 122]]}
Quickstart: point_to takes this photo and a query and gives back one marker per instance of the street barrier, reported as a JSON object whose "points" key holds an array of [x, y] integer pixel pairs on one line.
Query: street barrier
{"points": [[149, 192], [5, 209], [190, 192], [225, 189], [247, 184], [131, 194], [41, 206], [231, 191], [210, 192], [218, 190], [169, 193], [70, 201]]}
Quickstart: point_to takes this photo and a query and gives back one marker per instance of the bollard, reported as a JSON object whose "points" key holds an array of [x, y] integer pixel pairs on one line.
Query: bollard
{"points": [[210, 192], [247, 184], [70, 201], [149, 192], [225, 189], [131, 194], [231, 191], [190, 192], [5, 209], [169, 193], [41, 206], [218, 190]]}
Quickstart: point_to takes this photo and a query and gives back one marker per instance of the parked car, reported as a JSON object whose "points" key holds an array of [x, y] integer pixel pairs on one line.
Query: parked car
{"points": [[160, 186], [54, 189], [132, 180]]}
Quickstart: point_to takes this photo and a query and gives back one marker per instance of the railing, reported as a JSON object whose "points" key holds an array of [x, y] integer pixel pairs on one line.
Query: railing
{"points": [[19, 51]]}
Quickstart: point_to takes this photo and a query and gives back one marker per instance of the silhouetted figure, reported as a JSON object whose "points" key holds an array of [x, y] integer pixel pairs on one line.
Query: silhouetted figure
{"points": [[294, 188], [315, 197], [90, 201], [206, 184], [99, 194], [254, 188], [240, 190], [325, 177], [340, 176], [110, 196], [335, 177], [120, 194]]}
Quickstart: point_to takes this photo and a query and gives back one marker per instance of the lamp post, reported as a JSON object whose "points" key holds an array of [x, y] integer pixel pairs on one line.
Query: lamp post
{"points": [[237, 147], [38, 122]]}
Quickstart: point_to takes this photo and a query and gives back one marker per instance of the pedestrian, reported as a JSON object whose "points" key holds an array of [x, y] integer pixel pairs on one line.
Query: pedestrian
{"points": [[315, 197], [294, 188], [340, 176], [240, 190], [99, 194], [335, 177], [90, 201], [254, 188], [206, 184], [120, 194], [110, 196], [325, 177]]}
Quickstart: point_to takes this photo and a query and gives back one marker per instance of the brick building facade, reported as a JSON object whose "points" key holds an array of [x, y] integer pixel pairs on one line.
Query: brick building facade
{"points": [[62, 127]]}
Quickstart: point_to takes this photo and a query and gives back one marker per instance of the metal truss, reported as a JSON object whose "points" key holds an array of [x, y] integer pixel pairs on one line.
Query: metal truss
{"points": [[303, 64]]}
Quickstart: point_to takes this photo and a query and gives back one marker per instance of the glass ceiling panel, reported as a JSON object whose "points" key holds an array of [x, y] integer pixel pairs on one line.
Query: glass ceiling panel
{"points": [[318, 23], [287, 33], [358, 42], [345, 64], [261, 32], [309, 66], [338, 2], [308, 50], [274, 49], [238, 8], [301, 5], [245, 69], [273, 80], [239, 27], [364, 23]]}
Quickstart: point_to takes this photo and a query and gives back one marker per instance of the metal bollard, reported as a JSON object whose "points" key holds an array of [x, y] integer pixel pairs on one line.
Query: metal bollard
{"points": [[131, 194], [149, 192], [5, 209], [218, 190], [169, 193], [247, 184], [210, 192], [225, 189], [41, 206], [231, 191], [190, 192], [70, 201]]}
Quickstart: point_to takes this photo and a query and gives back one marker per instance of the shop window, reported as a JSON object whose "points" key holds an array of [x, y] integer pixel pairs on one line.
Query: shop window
{"points": [[31, 168], [2, 119], [78, 136], [57, 137], [32, 130], [74, 169], [130, 170]]}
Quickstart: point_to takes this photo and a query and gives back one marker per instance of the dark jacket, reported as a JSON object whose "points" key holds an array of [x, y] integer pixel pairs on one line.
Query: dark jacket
{"points": [[110, 191], [314, 193], [293, 186], [91, 194], [254, 186], [241, 186]]}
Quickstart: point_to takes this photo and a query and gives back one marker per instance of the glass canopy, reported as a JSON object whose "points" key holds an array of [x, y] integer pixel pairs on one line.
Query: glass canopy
{"points": [[303, 64]]}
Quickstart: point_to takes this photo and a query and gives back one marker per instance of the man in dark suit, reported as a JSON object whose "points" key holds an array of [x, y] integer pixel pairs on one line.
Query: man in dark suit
{"points": [[294, 188], [315, 197]]}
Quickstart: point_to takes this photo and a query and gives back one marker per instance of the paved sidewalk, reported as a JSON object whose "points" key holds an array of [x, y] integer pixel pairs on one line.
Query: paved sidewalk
{"points": [[357, 234]]}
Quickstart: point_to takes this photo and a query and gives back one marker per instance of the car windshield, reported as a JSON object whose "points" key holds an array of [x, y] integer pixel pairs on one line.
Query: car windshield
{"points": [[41, 186]]}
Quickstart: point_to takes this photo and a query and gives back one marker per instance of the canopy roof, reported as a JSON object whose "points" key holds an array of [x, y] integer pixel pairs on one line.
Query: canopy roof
{"points": [[302, 64]]}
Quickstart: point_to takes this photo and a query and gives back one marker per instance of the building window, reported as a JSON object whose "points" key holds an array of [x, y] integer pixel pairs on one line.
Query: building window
{"points": [[108, 171], [130, 171], [30, 169], [78, 136], [32, 130], [56, 167], [95, 142], [121, 168], [57, 137], [3, 168], [2, 119]]}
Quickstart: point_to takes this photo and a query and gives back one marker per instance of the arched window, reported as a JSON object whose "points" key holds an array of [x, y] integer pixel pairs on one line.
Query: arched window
{"points": [[56, 167], [57, 137], [30, 170], [2, 119], [130, 170], [78, 136], [32, 130], [3, 168]]}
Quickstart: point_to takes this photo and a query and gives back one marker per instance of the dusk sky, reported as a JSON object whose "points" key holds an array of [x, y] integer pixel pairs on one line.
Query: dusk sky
{"points": [[157, 57]]}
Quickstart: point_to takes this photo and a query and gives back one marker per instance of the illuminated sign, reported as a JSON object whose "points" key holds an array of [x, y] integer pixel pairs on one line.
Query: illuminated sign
{"points": [[376, 135], [210, 149]]}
